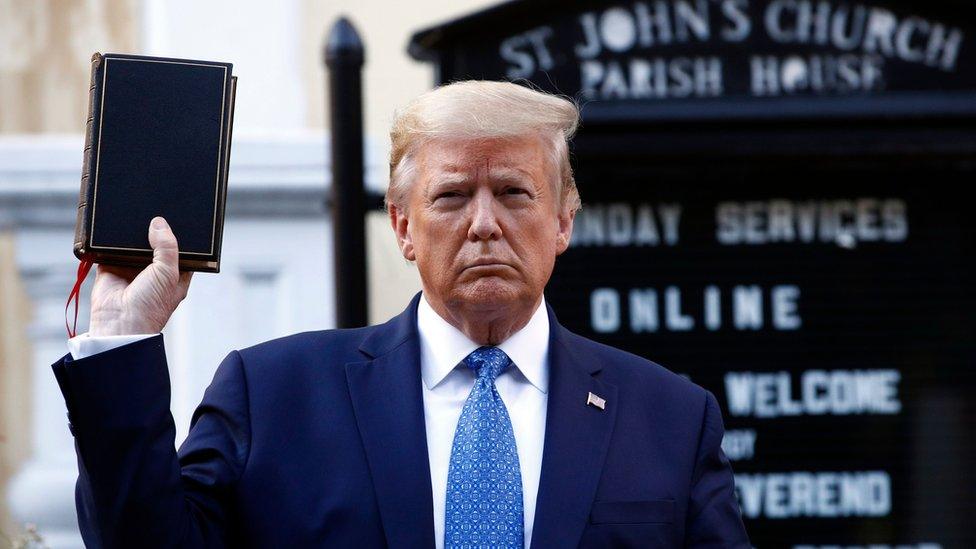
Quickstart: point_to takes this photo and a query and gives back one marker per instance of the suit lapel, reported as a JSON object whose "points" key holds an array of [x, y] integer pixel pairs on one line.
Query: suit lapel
{"points": [[577, 436], [388, 402], [387, 399]]}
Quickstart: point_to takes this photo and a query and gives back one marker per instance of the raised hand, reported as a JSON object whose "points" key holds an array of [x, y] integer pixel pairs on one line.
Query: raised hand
{"points": [[127, 300]]}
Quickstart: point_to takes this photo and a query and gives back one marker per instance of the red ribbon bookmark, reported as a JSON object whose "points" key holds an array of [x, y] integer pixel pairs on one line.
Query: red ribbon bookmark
{"points": [[83, 269]]}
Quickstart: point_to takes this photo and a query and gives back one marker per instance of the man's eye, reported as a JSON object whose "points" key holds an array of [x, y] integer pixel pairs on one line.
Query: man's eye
{"points": [[515, 191], [449, 194]]}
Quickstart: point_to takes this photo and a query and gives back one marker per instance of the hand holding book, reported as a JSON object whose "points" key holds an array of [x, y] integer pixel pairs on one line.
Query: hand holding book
{"points": [[130, 300], [157, 144]]}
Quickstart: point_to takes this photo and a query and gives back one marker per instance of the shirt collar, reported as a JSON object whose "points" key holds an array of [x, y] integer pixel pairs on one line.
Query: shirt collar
{"points": [[443, 347]]}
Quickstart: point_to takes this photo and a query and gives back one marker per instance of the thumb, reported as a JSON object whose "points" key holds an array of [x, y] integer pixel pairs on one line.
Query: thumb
{"points": [[165, 249]]}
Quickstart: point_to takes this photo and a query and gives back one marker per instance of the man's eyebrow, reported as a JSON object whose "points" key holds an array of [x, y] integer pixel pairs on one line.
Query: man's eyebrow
{"points": [[512, 175], [449, 178]]}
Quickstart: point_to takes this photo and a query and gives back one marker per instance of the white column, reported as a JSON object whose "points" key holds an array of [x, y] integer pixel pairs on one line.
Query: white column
{"points": [[38, 177], [42, 492]]}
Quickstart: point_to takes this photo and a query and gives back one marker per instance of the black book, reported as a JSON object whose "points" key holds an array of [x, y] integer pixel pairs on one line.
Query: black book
{"points": [[157, 143]]}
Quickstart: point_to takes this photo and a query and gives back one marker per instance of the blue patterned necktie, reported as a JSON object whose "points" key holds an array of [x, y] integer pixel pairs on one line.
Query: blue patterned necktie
{"points": [[484, 483]]}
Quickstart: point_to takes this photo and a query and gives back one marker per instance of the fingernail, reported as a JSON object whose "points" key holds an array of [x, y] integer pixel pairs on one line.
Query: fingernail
{"points": [[158, 223]]}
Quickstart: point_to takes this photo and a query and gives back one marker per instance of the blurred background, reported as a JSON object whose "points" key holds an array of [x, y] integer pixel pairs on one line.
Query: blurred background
{"points": [[774, 205], [277, 273]]}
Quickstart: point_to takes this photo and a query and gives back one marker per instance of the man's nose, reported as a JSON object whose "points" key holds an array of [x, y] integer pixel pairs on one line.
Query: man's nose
{"points": [[484, 222]]}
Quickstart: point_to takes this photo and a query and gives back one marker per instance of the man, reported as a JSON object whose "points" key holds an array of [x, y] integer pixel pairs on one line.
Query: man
{"points": [[472, 419]]}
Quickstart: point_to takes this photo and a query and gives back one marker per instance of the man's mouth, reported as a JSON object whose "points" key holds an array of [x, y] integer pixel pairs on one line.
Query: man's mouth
{"points": [[486, 264]]}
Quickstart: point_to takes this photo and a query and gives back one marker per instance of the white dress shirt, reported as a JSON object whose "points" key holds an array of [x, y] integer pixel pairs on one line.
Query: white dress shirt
{"points": [[523, 387]]}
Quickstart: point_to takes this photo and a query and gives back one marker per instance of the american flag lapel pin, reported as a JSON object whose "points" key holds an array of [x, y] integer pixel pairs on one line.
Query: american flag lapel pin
{"points": [[593, 400]]}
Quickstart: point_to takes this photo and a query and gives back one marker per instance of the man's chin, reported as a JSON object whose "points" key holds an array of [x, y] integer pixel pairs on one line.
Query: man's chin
{"points": [[488, 293]]}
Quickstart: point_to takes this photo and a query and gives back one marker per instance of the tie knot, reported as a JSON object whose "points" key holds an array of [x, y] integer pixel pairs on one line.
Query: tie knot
{"points": [[487, 362]]}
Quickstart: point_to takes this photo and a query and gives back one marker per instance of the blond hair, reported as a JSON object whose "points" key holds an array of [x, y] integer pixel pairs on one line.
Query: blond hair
{"points": [[482, 109]]}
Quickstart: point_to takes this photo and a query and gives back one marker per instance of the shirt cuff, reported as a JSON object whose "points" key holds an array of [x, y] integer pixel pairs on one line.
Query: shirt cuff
{"points": [[84, 345]]}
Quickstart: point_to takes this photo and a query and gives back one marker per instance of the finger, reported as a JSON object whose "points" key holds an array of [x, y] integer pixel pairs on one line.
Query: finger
{"points": [[166, 253]]}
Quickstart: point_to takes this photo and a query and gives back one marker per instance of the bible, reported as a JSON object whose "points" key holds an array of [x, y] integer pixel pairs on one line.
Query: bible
{"points": [[157, 143]]}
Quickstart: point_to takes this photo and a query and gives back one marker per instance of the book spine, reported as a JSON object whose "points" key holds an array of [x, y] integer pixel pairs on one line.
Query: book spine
{"points": [[226, 174], [88, 160]]}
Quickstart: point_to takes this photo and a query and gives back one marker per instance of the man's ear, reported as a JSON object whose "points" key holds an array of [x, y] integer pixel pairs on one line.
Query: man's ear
{"points": [[401, 228], [565, 229]]}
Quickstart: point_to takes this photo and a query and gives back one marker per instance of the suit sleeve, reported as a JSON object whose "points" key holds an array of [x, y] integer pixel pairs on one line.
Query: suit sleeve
{"points": [[714, 519], [133, 489]]}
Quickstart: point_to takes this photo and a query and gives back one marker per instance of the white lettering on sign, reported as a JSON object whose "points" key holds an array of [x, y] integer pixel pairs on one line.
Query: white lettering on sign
{"points": [[605, 310], [650, 310], [738, 25], [865, 28], [748, 308], [773, 75], [821, 392], [527, 52], [739, 444], [619, 49], [623, 224], [644, 25], [784, 308], [842, 222], [820, 494], [656, 78], [675, 319], [643, 311]]}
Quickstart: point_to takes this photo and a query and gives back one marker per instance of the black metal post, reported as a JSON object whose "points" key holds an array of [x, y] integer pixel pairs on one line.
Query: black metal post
{"points": [[344, 59]]}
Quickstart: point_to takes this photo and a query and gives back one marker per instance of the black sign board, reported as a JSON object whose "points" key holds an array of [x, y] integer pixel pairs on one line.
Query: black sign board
{"points": [[774, 206], [715, 58]]}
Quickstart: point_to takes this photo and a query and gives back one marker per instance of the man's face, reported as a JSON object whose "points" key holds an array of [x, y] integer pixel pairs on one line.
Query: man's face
{"points": [[483, 223]]}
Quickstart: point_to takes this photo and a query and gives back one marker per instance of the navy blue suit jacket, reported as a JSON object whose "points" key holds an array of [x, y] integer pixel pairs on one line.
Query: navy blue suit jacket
{"points": [[318, 440]]}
